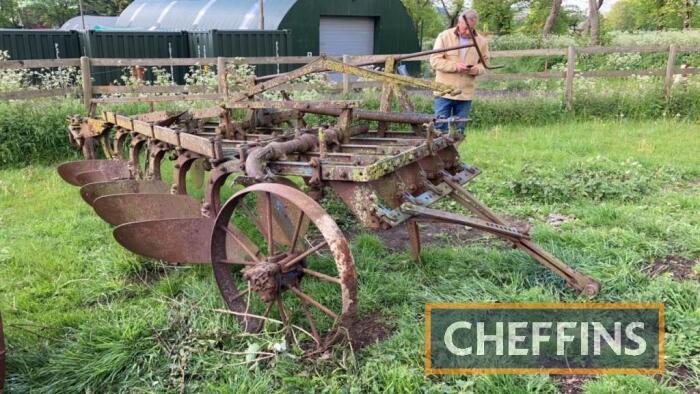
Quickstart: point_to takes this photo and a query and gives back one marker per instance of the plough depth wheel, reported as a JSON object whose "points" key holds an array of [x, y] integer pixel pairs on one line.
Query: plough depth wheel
{"points": [[307, 286]]}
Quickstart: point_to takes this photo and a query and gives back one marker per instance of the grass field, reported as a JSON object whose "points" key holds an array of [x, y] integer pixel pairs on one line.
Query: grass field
{"points": [[82, 314]]}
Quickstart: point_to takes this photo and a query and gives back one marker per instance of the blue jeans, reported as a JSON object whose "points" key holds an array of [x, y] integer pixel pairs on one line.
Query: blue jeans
{"points": [[447, 108]]}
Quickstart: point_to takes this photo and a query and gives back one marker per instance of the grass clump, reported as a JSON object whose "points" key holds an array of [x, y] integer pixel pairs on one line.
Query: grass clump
{"points": [[596, 179]]}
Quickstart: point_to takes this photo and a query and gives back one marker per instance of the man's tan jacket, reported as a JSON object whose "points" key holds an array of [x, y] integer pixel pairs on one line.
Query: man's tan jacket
{"points": [[445, 64]]}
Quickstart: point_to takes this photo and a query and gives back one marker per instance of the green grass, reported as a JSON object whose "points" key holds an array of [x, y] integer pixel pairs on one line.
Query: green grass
{"points": [[82, 314]]}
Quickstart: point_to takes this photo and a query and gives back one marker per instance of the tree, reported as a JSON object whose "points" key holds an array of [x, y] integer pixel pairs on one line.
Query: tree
{"points": [[105, 7], [587, 25], [632, 15], [594, 21], [553, 14], [539, 11], [688, 14], [452, 10], [47, 13], [496, 16], [425, 17], [9, 14]]}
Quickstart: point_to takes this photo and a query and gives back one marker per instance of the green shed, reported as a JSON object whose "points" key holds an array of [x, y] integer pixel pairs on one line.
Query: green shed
{"points": [[334, 27]]}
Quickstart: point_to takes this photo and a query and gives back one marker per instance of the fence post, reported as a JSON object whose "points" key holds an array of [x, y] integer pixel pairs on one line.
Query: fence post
{"points": [[86, 73], [346, 77], [221, 72], [570, 72], [672, 55]]}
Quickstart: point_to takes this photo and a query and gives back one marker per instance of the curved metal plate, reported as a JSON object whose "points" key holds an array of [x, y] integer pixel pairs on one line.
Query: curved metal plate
{"points": [[174, 240], [117, 209], [182, 241], [93, 191], [85, 178], [69, 171]]}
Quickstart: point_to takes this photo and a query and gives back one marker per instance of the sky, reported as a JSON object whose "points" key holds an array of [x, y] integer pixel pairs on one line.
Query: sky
{"points": [[583, 4]]}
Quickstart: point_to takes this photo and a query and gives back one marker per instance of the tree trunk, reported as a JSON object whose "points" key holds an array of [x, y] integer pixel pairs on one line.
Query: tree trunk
{"points": [[688, 14], [594, 21], [552, 18], [586, 27]]}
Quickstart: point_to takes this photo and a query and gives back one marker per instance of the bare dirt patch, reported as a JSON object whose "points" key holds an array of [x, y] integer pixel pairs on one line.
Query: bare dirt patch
{"points": [[361, 332], [368, 330], [571, 384], [433, 234], [556, 220], [430, 234], [679, 376], [680, 268]]}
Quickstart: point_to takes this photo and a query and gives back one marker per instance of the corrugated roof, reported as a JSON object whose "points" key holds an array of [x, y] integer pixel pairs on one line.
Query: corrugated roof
{"points": [[193, 15], [91, 21]]}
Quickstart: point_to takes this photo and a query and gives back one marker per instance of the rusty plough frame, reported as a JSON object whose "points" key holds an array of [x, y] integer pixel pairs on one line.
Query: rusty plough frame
{"points": [[259, 242]]}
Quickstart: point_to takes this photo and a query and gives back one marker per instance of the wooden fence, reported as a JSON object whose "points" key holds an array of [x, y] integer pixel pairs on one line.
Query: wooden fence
{"points": [[193, 93]]}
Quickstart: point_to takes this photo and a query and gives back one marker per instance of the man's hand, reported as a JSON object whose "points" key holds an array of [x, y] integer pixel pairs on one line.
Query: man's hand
{"points": [[473, 71], [461, 67]]}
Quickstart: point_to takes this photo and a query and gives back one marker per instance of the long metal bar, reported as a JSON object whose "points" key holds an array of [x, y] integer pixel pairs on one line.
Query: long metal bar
{"points": [[577, 280], [411, 118], [436, 214], [398, 58]]}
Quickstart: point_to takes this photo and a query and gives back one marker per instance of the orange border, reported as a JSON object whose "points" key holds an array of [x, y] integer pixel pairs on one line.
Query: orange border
{"points": [[554, 371]]}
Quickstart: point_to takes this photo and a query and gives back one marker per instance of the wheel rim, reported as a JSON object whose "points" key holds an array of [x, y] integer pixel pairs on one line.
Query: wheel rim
{"points": [[264, 281]]}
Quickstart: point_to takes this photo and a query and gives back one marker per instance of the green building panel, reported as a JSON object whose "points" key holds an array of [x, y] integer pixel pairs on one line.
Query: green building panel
{"points": [[394, 29]]}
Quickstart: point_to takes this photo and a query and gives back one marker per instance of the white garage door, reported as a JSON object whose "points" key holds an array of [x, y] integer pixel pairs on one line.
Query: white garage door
{"points": [[346, 36]]}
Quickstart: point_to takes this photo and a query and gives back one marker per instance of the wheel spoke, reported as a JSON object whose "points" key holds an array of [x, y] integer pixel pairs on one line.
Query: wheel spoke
{"points": [[312, 324], [247, 309], [297, 231], [236, 262], [267, 310], [270, 240], [283, 313], [248, 213], [241, 294], [307, 298], [240, 243], [319, 275], [266, 315], [287, 264]]}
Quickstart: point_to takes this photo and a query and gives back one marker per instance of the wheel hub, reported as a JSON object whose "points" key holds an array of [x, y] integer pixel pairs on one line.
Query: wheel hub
{"points": [[268, 280]]}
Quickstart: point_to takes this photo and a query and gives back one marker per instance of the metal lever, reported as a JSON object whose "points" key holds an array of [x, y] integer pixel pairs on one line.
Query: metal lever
{"points": [[478, 50]]}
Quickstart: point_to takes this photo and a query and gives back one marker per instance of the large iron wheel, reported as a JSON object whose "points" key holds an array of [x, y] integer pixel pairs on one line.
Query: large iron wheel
{"points": [[291, 278]]}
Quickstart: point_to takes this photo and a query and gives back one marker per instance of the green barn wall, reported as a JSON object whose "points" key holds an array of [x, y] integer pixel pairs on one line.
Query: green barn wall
{"points": [[394, 29]]}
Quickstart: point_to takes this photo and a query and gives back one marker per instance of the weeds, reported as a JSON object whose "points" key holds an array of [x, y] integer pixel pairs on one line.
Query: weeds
{"points": [[596, 179]]}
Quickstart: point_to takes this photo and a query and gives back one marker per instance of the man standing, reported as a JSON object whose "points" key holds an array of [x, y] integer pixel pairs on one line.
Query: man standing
{"points": [[458, 68]]}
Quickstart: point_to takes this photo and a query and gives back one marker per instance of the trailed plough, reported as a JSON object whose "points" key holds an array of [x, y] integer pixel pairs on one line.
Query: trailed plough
{"points": [[272, 247]]}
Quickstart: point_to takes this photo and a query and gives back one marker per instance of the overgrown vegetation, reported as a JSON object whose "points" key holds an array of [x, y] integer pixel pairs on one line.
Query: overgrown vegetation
{"points": [[598, 179], [82, 314]]}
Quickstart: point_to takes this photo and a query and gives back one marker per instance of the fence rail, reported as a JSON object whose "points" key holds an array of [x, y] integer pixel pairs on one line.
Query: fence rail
{"points": [[195, 93]]}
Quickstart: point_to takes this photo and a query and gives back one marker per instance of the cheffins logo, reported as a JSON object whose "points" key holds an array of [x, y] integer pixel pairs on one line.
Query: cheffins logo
{"points": [[544, 338]]}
